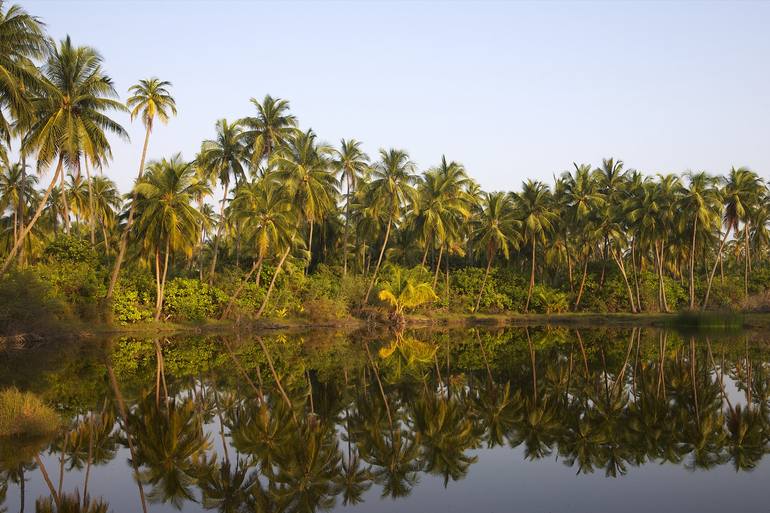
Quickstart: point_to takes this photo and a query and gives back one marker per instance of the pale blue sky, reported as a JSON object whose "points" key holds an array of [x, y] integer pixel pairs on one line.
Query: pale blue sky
{"points": [[512, 90]]}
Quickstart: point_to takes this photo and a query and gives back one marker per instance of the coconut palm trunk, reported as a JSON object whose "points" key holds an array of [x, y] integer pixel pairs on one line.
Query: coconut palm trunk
{"points": [[747, 263], [692, 263], [484, 281], [218, 235], [64, 203], [41, 206], [622, 268], [129, 223], [272, 282], [438, 266], [257, 265], [379, 260], [582, 283], [714, 270], [345, 238], [91, 213], [531, 277]]}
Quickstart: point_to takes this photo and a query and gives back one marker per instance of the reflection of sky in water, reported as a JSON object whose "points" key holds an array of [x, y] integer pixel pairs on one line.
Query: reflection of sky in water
{"points": [[502, 480]]}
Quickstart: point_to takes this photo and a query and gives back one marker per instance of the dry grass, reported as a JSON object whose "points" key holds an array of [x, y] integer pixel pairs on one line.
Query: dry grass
{"points": [[24, 414]]}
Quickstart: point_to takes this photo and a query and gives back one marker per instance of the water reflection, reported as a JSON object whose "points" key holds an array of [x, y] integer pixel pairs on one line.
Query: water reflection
{"points": [[309, 422]]}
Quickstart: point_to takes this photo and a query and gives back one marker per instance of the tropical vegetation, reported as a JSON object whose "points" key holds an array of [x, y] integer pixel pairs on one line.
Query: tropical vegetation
{"points": [[266, 219]]}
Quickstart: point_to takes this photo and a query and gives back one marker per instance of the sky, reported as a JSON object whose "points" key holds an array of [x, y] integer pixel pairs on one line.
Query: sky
{"points": [[513, 90]]}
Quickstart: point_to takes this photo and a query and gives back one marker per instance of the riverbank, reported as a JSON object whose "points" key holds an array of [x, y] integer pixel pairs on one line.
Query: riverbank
{"points": [[709, 320]]}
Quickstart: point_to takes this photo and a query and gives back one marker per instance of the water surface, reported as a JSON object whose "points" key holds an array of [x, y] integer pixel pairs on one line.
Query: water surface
{"points": [[523, 419]]}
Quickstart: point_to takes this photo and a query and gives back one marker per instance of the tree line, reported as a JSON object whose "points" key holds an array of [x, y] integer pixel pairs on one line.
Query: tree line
{"points": [[288, 196]]}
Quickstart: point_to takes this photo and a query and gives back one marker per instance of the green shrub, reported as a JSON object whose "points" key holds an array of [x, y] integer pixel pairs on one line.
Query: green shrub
{"points": [[548, 301], [24, 414], [324, 310], [467, 283], [189, 299], [128, 307], [28, 305], [70, 249]]}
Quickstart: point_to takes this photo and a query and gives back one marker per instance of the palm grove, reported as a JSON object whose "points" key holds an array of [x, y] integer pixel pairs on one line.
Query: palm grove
{"points": [[268, 219]]}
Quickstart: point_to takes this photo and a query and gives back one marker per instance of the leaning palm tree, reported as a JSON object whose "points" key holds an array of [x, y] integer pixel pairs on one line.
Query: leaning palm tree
{"points": [[167, 220], [223, 159], [390, 190], [270, 129], [266, 212], [149, 99], [495, 229], [537, 216], [740, 194], [21, 40], [351, 163], [71, 104]]}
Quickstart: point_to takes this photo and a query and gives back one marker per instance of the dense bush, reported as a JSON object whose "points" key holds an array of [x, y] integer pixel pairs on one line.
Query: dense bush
{"points": [[467, 283], [191, 300], [28, 305]]}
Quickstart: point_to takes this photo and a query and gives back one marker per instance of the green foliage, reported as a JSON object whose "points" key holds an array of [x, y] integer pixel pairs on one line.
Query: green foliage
{"points": [[79, 284], [134, 297], [467, 282], [24, 414], [29, 305], [549, 301], [189, 299], [70, 249]]}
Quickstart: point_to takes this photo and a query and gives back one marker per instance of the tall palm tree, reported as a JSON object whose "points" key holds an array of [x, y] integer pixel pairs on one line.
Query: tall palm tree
{"points": [[390, 190], [21, 40], [496, 229], [150, 99], [303, 167], [740, 194], [166, 219], [351, 163], [700, 198], [534, 206], [106, 204], [71, 104], [223, 158], [444, 205], [270, 129]]}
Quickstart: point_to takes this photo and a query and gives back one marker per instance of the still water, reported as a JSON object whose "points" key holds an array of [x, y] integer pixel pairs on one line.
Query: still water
{"points": [[525, 419]]}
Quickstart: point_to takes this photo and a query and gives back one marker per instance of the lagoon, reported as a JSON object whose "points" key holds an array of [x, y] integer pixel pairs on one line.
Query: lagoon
{"points": [[537, 419]]}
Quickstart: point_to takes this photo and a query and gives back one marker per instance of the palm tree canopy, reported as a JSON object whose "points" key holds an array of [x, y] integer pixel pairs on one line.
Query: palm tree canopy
{"points": [[70, 105], [150, 98]]}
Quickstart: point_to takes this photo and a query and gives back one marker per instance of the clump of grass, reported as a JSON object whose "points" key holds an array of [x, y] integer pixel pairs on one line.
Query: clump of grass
{"points": [[23, 414]]}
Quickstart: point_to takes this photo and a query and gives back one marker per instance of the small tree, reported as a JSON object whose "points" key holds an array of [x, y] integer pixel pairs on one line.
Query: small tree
{"points": [[405, 289]]}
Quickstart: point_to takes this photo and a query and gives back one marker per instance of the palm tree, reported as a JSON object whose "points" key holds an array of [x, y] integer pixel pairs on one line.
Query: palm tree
{"points": [[740, 194], [21, 39], [16, 187], [700, 198], [223, 158], [390, 190], [351, 163], [405, 289], [303, 167], [106, 203], [444, 205], [534, 205], [166, 219], [74, 94], [496, 229], [266, 212], [149, 99], [270, 129]]}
